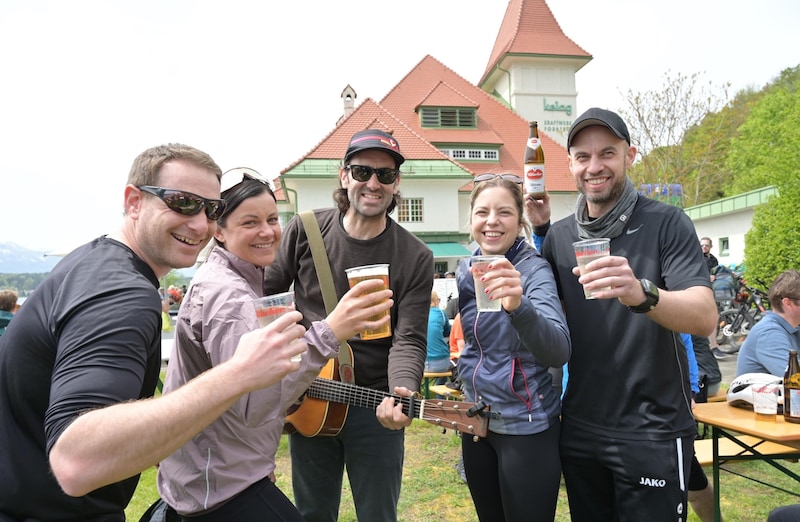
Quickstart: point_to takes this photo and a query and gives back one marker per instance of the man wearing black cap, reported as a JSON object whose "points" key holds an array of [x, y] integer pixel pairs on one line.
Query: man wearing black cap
{"points": [[627, 426], [360, 232]]}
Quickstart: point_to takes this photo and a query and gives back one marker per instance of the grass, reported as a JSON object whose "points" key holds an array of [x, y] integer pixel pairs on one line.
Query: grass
{"points": [[432, 490]]}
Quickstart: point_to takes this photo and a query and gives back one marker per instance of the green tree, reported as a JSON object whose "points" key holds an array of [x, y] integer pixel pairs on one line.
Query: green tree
{"points": [[767, 148], [767, 152], [773, 243], [706, 148], [660, 119]]}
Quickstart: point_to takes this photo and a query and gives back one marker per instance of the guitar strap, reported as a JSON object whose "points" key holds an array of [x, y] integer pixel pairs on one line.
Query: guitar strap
{"points": [[325, 276]]}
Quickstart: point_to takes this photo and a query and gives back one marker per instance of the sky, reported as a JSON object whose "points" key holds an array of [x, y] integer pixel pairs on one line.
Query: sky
{"points": [[87, 85]]}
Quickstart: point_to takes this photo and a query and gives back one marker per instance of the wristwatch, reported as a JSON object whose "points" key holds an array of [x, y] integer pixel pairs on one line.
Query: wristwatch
{"points": [[651, 297]]}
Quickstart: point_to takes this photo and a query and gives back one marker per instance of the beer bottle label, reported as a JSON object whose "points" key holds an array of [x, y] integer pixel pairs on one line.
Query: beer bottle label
{"points": [[794, 402]]}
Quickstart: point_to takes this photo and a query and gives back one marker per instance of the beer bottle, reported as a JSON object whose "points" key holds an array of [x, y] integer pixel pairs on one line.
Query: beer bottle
{"points": [[534, 163], [791, 389]]}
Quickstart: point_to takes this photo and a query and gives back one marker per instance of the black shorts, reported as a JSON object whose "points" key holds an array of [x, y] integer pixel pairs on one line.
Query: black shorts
{"points": [[625, 480], [697, 477]]}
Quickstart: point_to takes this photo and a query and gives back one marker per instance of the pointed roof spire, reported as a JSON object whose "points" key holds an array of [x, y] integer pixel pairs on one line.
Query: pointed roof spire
{"points": [[529, 27]]}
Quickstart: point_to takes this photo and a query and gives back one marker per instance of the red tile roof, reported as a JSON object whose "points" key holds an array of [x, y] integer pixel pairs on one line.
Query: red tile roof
{"points": [[529, 27], [371, 115], [497, 124]]}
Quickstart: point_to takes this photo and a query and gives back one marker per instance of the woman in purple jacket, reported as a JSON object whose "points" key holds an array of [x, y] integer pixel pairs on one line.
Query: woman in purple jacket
{"points": [[515, 472]]}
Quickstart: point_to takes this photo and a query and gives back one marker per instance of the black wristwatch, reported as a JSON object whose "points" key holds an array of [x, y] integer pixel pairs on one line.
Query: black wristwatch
{"points": [[651, 298]]}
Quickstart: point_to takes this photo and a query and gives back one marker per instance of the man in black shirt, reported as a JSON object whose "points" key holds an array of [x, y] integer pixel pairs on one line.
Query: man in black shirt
{"points": [[86, 346], [711, 261], [627, 425]]}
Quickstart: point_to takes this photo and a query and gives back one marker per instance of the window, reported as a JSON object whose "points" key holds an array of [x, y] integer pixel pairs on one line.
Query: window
{"points": [[448, 117], [410, 210], [471, 154], [724, 246]]}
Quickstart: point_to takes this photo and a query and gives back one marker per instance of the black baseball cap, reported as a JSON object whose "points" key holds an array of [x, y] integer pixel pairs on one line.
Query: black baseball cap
{"points": [[374, 139], [596, 116]]}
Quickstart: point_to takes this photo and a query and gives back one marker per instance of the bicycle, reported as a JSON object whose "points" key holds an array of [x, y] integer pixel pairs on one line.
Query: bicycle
{"points": [[736, 321]]}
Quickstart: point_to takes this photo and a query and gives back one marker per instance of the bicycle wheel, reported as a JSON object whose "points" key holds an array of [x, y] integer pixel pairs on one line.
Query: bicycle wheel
{"points": [[730, 341]]}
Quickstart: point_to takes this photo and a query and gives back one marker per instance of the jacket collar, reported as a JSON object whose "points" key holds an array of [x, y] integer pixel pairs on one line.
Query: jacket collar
{"points": [[254, 275]]}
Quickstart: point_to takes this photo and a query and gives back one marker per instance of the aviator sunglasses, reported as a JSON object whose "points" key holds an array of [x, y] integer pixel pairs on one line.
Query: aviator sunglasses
{"points": [[362, 173], [186, 203], [508, 177]]}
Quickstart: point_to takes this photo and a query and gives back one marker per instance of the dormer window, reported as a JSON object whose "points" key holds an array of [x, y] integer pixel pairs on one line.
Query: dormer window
{"points": [[449, 117]]}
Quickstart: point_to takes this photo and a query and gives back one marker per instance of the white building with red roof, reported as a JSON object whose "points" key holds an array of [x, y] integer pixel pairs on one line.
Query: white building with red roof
{"points": [[451, 130]]}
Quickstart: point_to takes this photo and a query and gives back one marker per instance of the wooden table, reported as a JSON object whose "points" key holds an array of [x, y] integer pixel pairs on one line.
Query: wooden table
{"points": [[427, 377], [725, 419]]}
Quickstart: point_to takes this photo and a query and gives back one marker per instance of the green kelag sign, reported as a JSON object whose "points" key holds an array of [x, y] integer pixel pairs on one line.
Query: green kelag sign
{"points": [[557, 107]]}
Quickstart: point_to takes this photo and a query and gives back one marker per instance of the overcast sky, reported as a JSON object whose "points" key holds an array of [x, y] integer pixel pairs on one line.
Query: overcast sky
{"points": [[87, 85]]}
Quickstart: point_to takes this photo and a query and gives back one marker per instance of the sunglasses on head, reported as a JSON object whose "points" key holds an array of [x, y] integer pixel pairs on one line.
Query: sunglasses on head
{"points": [[186, 203], [233, 177], [362, 173], [508, 177]]}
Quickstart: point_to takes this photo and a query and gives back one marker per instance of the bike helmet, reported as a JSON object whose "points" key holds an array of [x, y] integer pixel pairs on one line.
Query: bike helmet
{"points": [[740, 393]]}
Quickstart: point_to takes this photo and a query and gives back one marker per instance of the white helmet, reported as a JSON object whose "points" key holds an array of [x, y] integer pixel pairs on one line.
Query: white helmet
{"points": [[740, 392]]}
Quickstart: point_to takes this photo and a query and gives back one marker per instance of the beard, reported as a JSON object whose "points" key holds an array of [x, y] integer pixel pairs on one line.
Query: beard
{"points": [[614, 193]]}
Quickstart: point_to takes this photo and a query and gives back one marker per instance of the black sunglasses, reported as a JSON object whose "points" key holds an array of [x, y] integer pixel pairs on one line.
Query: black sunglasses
{"points": [[362, 173], [508, 177], [186, 203]]}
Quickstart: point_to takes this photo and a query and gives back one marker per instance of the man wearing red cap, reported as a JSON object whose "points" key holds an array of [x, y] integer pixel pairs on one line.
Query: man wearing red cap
{"points": [[360, 232]]}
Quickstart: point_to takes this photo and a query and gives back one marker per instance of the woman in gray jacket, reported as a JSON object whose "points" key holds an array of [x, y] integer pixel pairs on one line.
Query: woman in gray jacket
{"points": [[514, 473], [226, 471]]}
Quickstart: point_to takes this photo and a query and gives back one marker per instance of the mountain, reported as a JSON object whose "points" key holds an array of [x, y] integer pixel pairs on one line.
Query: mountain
{"points": [[15, 259]]}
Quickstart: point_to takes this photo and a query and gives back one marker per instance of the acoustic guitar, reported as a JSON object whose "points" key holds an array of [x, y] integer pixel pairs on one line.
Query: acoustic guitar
{"points": [[314, 417], [465, 417]]}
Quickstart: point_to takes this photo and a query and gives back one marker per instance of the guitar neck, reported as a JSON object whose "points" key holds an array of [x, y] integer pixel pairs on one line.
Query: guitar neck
{"points": [[354, 395], [443, 413]]}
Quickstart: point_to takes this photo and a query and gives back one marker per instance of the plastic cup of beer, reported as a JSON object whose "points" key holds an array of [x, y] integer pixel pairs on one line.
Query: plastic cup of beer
{"points": [[480, 265], [357, 274], [587, 251], [765, 402], [273, 306]]}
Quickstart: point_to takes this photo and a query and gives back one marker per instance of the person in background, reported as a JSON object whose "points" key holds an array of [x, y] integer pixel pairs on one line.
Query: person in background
{"points": [[701, 493], [456, 337], [8, 306], [438, 358], [707, 366], [711, 261], [87, 346], [456, 346], [627, 423], [451, 308], [166, 320], [789, 513], [360, 232], [506, 358], [766, 348], [225, 472]]}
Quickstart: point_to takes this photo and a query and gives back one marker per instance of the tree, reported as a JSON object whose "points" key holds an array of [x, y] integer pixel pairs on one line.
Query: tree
{"points": [[659, 120], [706, 148], [773, 243], [767, 148], [767, 152]]}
